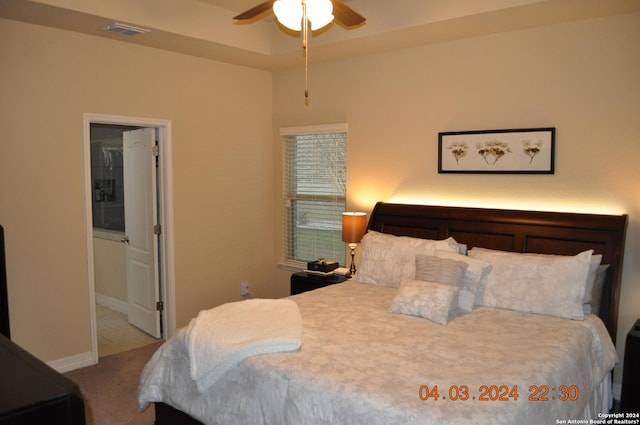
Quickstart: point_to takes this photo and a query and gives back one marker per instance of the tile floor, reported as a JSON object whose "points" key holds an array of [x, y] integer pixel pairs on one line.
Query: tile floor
{"points": [[115, 334]]}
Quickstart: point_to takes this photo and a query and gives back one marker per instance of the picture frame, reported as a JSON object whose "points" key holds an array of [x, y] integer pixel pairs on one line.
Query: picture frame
{"points": [[514, 151]]}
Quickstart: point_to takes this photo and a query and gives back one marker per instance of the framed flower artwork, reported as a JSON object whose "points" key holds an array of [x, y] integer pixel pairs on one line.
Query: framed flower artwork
{"points": [[518, 151]]}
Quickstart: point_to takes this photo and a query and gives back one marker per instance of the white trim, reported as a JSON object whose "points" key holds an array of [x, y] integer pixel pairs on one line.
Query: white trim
{"points": [[112, 303], [167, 254], [93, 327], [167, 259], [73, 362], [314, 129]]}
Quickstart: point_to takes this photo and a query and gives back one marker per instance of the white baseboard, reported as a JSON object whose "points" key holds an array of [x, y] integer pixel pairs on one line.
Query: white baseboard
{"points": [[78, 361], [113, 303], [73, 362]]}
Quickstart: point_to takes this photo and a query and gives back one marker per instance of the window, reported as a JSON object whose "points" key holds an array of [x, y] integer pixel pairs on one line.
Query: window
{"points": [[315, 170]]}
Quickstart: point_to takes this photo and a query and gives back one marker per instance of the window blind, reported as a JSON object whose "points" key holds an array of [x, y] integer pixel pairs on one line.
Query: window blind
{"points": [[314, 192]]}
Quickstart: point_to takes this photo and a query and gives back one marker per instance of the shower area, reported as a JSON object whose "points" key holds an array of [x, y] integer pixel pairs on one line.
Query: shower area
{"points": [[108, 185]]}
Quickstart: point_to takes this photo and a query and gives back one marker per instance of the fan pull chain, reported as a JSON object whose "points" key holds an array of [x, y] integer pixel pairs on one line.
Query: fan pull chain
{"points": [[306, 78], [305, 39]]}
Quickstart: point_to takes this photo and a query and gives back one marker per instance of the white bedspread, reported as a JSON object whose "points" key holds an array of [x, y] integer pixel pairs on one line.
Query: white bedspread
{"points": [[360, 364], [220, 338]]}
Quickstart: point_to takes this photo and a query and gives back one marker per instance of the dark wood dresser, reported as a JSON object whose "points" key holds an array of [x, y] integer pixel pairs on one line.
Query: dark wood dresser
{"points": [[32, 393]]}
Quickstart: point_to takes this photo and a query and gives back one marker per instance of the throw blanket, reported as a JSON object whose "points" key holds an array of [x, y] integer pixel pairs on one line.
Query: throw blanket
{"points": [[220, 338]]}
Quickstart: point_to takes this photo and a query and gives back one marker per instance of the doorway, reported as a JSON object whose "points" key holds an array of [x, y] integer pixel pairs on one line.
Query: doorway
{"points": [[133, 244]]}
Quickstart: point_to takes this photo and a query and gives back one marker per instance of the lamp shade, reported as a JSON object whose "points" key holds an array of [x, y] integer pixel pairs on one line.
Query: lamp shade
{"points": [[354, 226]]}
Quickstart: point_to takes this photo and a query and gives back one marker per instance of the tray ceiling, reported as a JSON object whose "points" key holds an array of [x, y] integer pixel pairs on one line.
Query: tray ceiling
{"points": [[205, 28]]}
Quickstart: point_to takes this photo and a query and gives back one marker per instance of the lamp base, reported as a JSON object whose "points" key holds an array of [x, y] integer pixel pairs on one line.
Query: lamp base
{"points": [[352, 268]]}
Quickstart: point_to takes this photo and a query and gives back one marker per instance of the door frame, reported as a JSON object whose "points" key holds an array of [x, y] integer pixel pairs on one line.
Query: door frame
{"points": [[165, 218]]}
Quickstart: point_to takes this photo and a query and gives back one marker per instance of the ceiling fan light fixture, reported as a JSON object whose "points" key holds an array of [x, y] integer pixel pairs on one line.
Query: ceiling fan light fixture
{"points": [[320, 13], [290, 13]]}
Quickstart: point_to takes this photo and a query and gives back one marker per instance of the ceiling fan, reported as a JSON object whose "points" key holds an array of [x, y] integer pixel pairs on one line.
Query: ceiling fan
{"points": [[302, 15], [342, 13]]}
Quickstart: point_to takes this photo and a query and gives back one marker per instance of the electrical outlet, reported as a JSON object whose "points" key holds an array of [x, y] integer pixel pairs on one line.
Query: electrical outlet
{"points": [[244, 289]]}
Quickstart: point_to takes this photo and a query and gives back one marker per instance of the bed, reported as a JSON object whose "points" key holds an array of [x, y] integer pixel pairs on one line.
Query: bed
{"points": [[370, 354]]}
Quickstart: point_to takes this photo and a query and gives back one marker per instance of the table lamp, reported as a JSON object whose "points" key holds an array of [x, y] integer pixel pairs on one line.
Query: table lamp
{"points": [[354, 226]]}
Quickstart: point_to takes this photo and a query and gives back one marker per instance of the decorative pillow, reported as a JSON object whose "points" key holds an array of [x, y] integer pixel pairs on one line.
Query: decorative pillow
{"points": [[476, 273], [591, 277], [429, 300], [552, 285], [386, 259], [441, 270], [593, 306]]}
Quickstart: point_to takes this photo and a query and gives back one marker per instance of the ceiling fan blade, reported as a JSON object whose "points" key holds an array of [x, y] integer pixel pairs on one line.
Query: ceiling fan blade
{"points": [[347, 16], [255, 11]]}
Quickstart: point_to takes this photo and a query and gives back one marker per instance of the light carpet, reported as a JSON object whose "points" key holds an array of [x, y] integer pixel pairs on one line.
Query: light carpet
{"points": [[109, 388]]}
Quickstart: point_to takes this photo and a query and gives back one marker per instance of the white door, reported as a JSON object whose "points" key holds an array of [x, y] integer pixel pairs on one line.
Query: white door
{"points": [[140, 211]]}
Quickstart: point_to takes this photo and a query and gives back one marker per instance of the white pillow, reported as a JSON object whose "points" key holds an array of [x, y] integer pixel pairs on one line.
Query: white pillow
{"points": [[429, 300], [591, 277], [593, 306], [386, 259], [552, 285], [477, 272]]}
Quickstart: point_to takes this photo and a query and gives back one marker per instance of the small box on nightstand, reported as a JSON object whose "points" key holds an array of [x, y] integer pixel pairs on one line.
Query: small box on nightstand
{"points": [[630, 399]]}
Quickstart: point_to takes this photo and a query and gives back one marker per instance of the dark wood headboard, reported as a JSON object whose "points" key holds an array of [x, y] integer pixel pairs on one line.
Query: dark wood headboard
{"points": [[517, 231]]}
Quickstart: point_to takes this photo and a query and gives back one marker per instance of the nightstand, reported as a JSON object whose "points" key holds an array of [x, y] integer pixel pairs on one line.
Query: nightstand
{"points": [[630, 399], [303, 281]]}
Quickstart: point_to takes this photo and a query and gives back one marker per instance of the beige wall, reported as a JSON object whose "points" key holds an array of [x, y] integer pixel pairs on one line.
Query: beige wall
{"points": [[581, 78], [222, 167], [110, 268]]}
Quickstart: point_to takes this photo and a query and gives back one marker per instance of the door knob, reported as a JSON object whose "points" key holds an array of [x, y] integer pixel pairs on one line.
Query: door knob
{"points": [[125, 239]]}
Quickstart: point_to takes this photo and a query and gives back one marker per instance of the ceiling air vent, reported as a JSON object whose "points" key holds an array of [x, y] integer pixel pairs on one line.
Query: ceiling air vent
{"points": [[125, 29]]}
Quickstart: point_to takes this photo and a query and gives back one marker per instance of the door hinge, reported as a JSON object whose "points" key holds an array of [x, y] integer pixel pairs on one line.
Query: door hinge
{"points": [[159, 306], [157, 229], [156, 150]]}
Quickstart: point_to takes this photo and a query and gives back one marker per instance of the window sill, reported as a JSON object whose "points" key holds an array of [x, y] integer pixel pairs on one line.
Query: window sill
{"points": [[292, 266]]}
